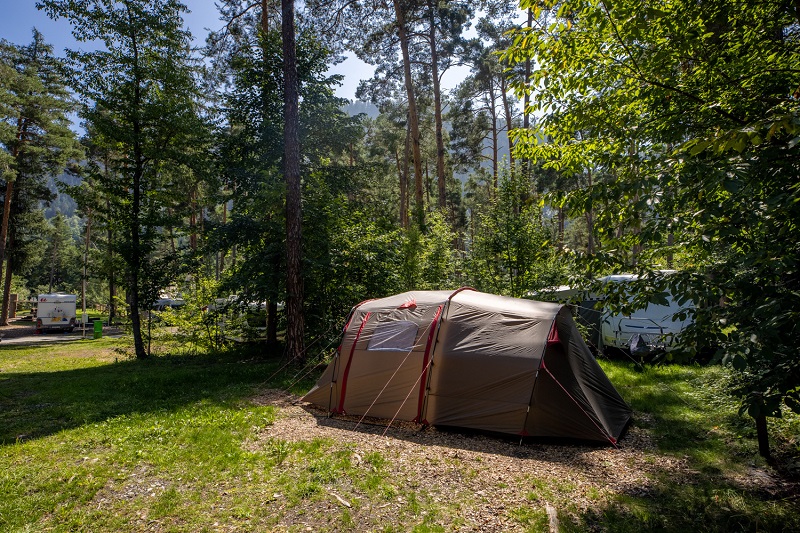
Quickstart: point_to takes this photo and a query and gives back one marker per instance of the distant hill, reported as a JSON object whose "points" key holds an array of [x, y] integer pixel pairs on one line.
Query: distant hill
{"points": [[357, 107], [63, 203]]}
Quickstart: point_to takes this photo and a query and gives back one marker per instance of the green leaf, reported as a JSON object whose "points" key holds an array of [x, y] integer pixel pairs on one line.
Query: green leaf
{"points": [[699, 147], [732, 186]]}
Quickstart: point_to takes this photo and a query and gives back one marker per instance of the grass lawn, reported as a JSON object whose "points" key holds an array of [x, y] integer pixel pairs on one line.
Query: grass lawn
{"points": [[93, 441]]}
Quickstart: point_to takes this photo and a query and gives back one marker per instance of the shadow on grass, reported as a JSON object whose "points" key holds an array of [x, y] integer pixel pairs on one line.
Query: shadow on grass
{"points": [[702, 504], [37, 404]]}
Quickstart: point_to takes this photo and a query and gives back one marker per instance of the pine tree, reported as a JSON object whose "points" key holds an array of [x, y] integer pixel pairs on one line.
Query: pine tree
{"points": [[35, 136]]}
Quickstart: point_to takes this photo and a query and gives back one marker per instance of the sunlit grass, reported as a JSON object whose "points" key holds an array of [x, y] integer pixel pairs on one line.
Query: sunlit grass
{"points": [[90, 441]]}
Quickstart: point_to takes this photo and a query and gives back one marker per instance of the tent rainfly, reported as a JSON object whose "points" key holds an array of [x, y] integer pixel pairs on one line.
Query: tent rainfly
{"points": [[472, 360]]}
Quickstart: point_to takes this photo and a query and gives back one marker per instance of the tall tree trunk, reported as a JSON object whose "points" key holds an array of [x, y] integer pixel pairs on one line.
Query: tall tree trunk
{"points": [[53, 263], [404, 181], [9, 273], [233, 248], [272, 323], [413, 115], [22, 129], [526, 102], [112, 287], [437, 109], [7, 285], [509, 121], [193, 221], [7, 290], [134, 259], [428, 183], [495, 148], [291, 168], [590, 221], [6, 219], [85, 278], [403, 189], [112, 296]]}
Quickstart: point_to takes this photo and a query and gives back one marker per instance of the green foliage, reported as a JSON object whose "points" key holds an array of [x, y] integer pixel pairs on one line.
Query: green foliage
{"points": [[34, 128], [145, 120], [59, 265], [690, 110], [429, 261], [198, 327], [510, 251], [353, 258]]}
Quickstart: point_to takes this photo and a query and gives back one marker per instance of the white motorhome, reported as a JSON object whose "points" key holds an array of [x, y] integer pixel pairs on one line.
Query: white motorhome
{"points": [[656, 325], [56, 311]]}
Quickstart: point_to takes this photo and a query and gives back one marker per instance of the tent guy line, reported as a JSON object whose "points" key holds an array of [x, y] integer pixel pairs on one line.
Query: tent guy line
{"points": [[408, 353]]}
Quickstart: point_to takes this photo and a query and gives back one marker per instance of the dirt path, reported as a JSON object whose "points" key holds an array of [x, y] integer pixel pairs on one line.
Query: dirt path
{"points": [[23, 332]]}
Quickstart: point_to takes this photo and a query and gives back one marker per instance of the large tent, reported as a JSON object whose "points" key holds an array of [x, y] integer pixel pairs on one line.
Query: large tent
{"points": [[473, 360]]}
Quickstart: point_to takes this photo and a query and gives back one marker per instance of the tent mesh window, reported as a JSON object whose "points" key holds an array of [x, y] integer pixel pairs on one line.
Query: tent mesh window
{"points": [[394, 336]]}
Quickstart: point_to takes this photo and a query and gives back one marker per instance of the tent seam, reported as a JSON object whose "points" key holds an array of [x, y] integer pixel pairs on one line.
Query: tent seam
{"points": [[426, 359], [350, 316]]}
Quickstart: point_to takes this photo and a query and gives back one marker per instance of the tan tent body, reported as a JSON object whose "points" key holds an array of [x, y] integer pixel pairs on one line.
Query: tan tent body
{"points": [[472, 360]]}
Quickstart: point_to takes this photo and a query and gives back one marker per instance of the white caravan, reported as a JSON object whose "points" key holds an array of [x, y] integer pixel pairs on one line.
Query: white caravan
{"points": [[656, 325], [56, 311]]}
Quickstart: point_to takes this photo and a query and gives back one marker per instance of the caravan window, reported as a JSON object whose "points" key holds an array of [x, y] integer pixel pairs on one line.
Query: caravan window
{"points": [[393, 336]]}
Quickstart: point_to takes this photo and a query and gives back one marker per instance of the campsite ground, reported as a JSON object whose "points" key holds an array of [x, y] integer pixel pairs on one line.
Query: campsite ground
{"points": [[22, 331], [92, 440]]}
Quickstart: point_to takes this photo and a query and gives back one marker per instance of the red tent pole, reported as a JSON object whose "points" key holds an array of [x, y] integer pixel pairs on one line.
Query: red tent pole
{"points": [[339, 351], [433, 336], [424, 381], [340, 409]]}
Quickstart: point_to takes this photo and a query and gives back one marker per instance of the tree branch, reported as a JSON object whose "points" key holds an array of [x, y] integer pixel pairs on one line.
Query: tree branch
{"points": [[638, 74]]}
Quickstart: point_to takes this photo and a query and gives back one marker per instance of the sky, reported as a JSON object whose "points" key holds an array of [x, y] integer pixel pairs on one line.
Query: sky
{"points": [[19, 17]]}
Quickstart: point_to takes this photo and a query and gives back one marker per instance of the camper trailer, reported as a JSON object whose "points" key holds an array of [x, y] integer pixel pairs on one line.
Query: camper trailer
{"points": [[652, 328], [56, 311]]}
